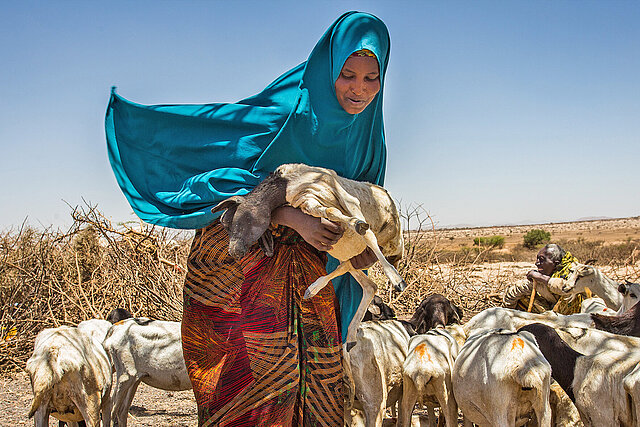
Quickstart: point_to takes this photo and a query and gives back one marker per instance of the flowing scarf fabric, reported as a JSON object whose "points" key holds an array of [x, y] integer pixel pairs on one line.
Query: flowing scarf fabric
{"points": [[175, 162]]}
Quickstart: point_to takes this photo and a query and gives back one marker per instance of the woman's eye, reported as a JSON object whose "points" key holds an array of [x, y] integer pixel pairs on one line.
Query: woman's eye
{"points": [[371, 79], [345, 76]]}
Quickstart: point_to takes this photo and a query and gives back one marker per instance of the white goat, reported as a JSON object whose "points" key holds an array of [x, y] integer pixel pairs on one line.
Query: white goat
{"points": [[366, 210], [597, 383], [70, 377], [499, 377], [506, 318], [376, 368], [148, 351], [427, 373]]}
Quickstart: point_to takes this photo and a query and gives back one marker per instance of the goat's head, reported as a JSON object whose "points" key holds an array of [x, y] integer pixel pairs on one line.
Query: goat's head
{"points": [[630, 293], [435, 310], [244, 221]]}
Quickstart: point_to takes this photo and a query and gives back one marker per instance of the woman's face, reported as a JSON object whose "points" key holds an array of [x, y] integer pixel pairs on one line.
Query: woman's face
{"points": [[544, 263], [358, 83]]}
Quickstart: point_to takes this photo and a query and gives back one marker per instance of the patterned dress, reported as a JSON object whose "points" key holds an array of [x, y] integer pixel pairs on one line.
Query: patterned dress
{"points": [[257, 353]]}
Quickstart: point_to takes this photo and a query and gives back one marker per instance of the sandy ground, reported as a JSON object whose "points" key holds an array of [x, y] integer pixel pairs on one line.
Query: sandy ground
{"points": [[151, 407]]}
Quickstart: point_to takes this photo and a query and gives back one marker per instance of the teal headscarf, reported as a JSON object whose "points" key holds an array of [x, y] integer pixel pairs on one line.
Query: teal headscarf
{"points": [[175, 162]]}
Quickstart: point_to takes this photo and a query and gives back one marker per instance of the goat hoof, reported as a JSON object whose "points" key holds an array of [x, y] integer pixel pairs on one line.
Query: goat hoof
{"points": [[401, 286], [350, 345], [361, 227]]}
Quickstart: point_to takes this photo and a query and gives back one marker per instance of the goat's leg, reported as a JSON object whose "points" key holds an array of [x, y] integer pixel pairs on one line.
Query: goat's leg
{"points": [[323, 281], [351, 387], [542, 408], [41, 416], [368, 292], [105, 408], [433, 421], [409, 399], [313, 207], [448, 405], [126, 403], [89, 407], [124, 382], [389, 270]]}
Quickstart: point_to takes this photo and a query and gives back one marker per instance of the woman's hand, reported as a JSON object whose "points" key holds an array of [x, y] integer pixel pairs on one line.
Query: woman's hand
{"points": [[364, 260], [320, 233]]}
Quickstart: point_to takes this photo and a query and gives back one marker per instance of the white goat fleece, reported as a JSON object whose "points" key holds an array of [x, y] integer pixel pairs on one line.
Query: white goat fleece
{"points": [[600, 387], [95, 328], [591, 341], [499, 377], [144, 350], [506, 318], [427, 373], [584, 276], [70, 377], [376, 368]]}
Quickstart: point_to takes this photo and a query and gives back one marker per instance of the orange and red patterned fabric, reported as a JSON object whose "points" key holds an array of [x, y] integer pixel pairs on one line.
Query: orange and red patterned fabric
{"points": [[256, 352]]}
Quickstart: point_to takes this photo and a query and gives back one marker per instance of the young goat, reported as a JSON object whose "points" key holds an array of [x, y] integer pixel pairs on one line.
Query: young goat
{"points": [[366, 210]]}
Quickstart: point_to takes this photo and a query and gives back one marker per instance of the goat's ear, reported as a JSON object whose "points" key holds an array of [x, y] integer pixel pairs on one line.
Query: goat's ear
{"points": [[591, 261], [622, 288], [227, 203], [458, 311], [584, 270]]}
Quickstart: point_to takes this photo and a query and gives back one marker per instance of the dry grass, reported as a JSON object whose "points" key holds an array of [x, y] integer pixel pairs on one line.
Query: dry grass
{"points": [[50, 278]]}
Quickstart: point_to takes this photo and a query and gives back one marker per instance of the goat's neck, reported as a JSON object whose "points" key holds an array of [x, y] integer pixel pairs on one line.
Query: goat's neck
{"points": [[606, 289], [270, 193]]}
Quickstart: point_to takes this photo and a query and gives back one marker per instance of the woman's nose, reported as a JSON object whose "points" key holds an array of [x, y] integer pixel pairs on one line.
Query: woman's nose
{"points": [[357, 87]]}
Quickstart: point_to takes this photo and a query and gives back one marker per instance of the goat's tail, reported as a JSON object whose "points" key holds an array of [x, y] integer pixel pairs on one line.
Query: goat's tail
{"points": [[536, 376], [45, 371]]}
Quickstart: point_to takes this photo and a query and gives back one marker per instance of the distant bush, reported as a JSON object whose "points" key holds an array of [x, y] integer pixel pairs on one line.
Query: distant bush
{"points": [[536, 237], [492, 241]]}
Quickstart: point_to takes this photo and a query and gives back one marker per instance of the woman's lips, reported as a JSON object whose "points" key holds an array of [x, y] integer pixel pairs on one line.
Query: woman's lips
{"points": [[356, 101]]}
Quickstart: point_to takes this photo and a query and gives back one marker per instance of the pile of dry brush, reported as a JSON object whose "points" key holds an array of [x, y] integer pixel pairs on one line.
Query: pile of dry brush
{"points": [[51, 278]]}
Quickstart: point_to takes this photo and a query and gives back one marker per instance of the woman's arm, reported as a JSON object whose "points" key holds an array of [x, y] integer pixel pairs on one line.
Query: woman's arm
{"points": [[320, 233]]}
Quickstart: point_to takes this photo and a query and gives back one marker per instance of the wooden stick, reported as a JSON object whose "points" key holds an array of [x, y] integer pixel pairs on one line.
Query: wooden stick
{"points": [[532, 297]]}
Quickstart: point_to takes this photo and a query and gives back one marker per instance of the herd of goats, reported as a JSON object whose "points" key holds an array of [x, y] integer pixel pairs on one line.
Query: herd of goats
{"points": [[502, 367]]}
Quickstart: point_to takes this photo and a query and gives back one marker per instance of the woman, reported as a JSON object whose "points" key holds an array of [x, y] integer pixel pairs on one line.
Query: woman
{"points": [[257, 353], [553, 263]]}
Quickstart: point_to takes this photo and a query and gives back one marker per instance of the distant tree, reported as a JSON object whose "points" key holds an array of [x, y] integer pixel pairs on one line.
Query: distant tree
{"points": [[492, 241], [536, 237]]}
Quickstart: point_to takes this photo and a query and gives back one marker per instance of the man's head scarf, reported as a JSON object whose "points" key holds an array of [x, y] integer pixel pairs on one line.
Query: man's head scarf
{"points": [[175, 162]]}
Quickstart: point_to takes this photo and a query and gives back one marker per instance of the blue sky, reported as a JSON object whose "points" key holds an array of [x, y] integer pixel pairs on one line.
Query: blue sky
{"points": [[495, 111]]}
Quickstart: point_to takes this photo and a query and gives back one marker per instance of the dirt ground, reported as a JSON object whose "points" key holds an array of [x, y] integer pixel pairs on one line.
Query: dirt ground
{"points": [[151, 407]]}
